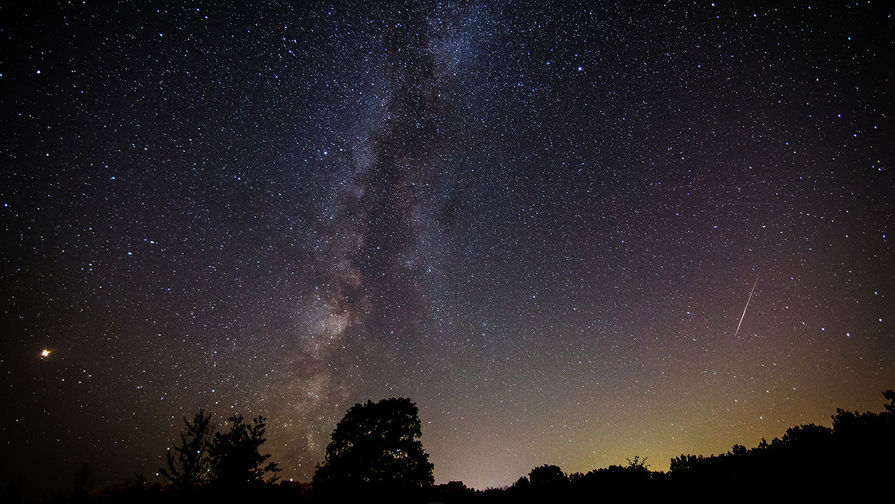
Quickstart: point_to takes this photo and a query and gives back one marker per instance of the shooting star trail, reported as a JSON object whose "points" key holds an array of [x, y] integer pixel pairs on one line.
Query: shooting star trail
{"points": [[746, 308]]}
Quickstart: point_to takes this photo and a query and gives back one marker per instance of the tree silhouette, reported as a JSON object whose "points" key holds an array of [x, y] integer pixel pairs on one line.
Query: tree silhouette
{"points": [[855, 453], [82, 482], [189, 460], [547, 477], [235, 457], [376, 444]]}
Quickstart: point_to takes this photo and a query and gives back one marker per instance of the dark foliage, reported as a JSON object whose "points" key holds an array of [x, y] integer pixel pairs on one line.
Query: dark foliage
{"points": [[189, 460], [375, 456], [203, 457], [376, 446], [858, 452], [236, 460], [547, 478]]}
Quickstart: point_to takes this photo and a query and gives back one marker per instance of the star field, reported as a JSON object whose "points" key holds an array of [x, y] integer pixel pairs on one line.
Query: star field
{"points": [[539, 222]]}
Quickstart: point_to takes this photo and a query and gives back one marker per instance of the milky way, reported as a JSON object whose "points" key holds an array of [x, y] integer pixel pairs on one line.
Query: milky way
{"points": [[538, 222], [379, 229]]}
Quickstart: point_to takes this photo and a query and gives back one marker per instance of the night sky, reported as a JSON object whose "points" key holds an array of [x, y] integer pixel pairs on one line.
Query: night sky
{"points": [[541, 223]]}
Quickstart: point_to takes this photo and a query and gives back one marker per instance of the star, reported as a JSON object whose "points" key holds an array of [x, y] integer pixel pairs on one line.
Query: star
{"points": [[289, 210]]}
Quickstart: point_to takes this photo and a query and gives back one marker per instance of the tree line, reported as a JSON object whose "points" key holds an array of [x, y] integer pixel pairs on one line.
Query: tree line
{"points": [[375, 453]]}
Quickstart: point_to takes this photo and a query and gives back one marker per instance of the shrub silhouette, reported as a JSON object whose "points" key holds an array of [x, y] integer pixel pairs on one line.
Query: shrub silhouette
{"points": [[376, 445]]}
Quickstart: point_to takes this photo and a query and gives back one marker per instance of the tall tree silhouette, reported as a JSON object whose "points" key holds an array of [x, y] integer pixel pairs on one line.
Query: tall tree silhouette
{"points": [[189, 460], [236, 460], [376, 444]]}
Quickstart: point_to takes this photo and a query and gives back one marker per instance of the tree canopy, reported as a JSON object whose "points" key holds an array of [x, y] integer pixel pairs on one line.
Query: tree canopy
{"points": [[236, 459], [189, 460], [376, 444], [547, 477], [229, 459], [375, 455]]}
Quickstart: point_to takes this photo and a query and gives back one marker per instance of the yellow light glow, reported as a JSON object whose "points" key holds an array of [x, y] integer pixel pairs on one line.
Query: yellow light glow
{"points": [[44, 353]]}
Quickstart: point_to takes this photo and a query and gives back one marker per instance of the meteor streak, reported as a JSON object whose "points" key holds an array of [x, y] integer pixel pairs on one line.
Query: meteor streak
{"points": [[746, 308]]}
